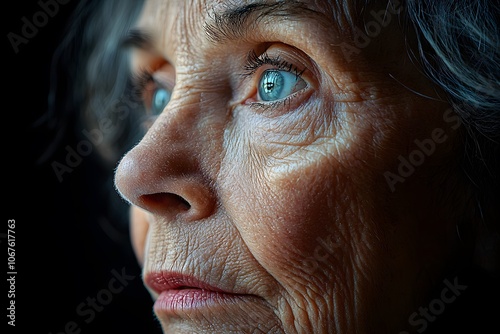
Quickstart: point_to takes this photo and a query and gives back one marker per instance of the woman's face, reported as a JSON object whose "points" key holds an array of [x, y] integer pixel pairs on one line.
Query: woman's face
{"points": [[293, 182]]}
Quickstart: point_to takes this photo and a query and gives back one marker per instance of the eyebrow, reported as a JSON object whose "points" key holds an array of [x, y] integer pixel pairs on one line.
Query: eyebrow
{"points": [[235, 22], [137, 38]]}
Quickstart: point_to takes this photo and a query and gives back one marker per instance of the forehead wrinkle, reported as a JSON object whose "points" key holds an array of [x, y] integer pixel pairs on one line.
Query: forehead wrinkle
{"points": [[234, 20], [181, 29], [190, 28], [177, 27]]}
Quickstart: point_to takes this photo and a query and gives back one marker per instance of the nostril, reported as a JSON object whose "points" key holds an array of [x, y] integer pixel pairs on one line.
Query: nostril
{"points": [[164, 202]]}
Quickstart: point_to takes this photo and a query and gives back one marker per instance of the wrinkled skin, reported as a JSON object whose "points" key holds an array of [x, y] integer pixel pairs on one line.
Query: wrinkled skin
{"points": [[288, 203]]}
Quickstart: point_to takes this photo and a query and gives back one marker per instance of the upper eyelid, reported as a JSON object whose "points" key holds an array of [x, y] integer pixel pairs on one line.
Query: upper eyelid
{"points": [[254, 62], [144, 79], [164, 77], [160, 70], [163, 80], [140, 78]]}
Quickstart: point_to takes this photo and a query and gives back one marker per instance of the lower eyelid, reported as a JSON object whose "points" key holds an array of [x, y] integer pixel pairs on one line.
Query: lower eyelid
{"points": [[284, 105]]}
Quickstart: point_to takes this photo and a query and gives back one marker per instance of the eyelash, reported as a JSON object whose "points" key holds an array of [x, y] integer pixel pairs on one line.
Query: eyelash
{"points": [[254, 62], [141, 80], [140, 83]]}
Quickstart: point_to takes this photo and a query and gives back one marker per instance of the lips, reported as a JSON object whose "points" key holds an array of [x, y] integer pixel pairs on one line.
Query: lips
{"points": [[163, 281], [181, 293]]}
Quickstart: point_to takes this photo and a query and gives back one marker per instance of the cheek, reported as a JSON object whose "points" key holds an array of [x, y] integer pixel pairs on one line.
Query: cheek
{"points": [[294, 194], [311, 200], [310, 227], [310, 207]]}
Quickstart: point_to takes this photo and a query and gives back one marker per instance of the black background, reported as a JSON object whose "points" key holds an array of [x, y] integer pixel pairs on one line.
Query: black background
{"points": [[65, 250]]}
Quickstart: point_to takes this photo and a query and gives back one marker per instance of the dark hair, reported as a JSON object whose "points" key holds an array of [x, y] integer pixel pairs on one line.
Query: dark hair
{"points": [[459, 49], [96, 83]]}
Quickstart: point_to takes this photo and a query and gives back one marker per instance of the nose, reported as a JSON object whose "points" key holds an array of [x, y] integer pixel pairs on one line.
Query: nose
{"points": [[164, 173]]}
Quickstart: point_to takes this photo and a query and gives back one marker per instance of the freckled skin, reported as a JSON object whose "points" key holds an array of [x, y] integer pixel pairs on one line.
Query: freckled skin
{"points": [[290, 203]]}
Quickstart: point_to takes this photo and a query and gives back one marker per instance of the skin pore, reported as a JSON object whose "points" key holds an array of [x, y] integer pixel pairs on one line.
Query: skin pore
{"points": [[284, 202]]}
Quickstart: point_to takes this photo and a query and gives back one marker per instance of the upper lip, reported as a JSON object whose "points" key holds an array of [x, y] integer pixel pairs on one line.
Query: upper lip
{"points": [[167, 280]]}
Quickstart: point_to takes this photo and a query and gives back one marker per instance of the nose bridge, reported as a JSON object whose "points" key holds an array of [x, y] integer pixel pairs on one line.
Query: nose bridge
{"points": [[173, 138], [175, 127], [164, 173]]}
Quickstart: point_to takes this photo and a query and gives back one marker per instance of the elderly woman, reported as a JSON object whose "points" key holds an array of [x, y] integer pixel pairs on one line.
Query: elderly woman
{"points": [[309, 166]]}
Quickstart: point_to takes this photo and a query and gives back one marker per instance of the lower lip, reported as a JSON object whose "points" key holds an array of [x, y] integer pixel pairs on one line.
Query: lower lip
{"points": [[173, 301]]}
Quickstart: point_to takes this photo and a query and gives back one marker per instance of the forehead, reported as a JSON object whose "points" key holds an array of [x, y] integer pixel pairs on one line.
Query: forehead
{"points": [[201, 9], [174, 23]]}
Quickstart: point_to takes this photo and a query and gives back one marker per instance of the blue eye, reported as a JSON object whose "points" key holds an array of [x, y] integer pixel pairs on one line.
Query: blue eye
{"points": [[277, 84], [159, 101]]}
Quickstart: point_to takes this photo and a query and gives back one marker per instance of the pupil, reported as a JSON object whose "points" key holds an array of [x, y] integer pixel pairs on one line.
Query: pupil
{"points": [[271, 85]]}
